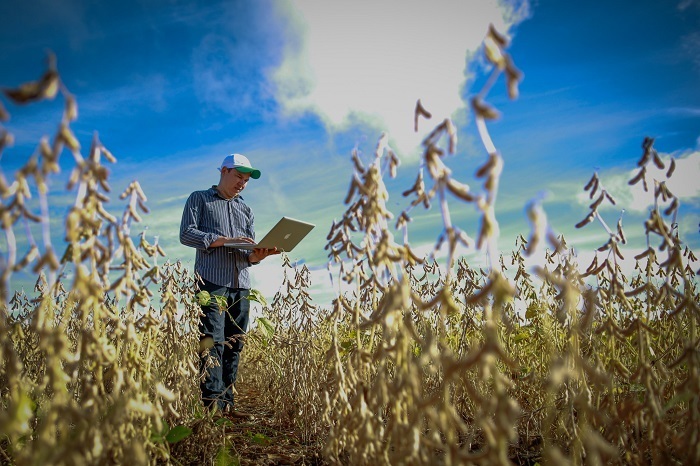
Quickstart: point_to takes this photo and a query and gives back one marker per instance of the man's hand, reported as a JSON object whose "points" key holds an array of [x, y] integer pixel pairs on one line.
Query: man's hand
{"points": [[221, 240], [259, 254], [256, 256]]}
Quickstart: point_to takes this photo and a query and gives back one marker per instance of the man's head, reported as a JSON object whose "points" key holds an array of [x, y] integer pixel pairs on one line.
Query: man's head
{"points": [[235, 173], [241, 163]]}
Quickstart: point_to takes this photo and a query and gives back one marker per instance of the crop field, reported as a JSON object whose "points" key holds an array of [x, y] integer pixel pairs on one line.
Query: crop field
{"points": [[420, 362]]}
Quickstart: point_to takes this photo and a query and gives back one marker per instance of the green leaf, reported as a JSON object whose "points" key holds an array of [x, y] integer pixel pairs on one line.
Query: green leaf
{"points": [[159, 437], [199, 412], [203, 298], [257, 296], [222, 421], [417, 350], [261, 439], [178, 433], [521, 336], [531, 312], [267, 327], [224, 458], [23, 412], [221, 302]]}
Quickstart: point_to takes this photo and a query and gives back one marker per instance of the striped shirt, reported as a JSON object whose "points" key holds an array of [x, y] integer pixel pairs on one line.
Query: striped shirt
{"points": [[205, 218]]}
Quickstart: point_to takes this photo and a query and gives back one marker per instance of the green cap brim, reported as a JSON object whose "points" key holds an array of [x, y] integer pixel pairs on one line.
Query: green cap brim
{"points": [[254, 172]]}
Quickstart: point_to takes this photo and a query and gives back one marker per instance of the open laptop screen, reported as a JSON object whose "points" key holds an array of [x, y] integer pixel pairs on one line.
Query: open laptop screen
{"points": [[284, 236]]}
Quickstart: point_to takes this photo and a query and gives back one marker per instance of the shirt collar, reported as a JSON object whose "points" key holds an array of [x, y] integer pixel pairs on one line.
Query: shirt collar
{"points": [[215, 192]]}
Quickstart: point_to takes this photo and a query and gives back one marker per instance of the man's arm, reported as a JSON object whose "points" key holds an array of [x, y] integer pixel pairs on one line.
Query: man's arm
{"points": [[190, 234]]}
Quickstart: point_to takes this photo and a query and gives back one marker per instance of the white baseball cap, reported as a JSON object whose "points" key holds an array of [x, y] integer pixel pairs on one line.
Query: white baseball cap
{"points": [[241, 163]]}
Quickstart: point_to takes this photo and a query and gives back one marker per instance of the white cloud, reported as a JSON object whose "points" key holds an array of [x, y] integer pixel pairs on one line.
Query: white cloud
{"points": [[138, 92], [215, 81], [229, 62], [268, 278], [685, 4], [371, 61]]}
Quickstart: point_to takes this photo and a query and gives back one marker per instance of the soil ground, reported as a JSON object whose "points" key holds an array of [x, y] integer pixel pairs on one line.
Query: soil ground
{"points": [[262, 441]]}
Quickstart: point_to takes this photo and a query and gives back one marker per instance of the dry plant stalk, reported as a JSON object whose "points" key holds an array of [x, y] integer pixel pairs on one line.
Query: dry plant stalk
{"points": [[431, 365], [91, 372]]}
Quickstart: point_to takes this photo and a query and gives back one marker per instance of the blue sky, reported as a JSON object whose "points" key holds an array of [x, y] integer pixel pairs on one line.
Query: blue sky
{"points": [[171, 87]]}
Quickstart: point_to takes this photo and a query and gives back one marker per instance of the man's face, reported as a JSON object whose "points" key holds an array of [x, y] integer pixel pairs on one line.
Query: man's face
{"points": [[234, 180]]}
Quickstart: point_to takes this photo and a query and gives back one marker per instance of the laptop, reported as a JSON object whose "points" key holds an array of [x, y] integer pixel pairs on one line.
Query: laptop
{"points": [[284, 236]]}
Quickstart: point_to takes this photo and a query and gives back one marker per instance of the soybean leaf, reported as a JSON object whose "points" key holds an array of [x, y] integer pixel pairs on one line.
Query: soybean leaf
{"points": [[222, 421], [257, 296], [221, 302], [224, 458], [531, 312], [178, 433], [159, 437], [261, 439], [268, 328], [203, 298]]}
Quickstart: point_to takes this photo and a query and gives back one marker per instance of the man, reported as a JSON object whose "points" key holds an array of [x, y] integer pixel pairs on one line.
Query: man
{"points": [[210, 219]]}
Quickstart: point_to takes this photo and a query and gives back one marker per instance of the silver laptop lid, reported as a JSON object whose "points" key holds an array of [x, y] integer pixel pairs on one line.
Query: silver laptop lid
{"points": [[284, 236]]}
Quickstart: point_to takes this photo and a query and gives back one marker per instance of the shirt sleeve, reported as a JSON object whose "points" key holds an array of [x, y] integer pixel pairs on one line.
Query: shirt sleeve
{"points": [[190, 234], [251, 233]]}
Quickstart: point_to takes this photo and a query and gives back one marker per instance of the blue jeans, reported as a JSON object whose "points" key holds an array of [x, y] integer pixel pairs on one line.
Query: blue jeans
{"points": [[226, 328]]}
